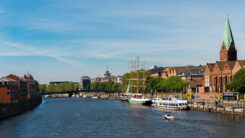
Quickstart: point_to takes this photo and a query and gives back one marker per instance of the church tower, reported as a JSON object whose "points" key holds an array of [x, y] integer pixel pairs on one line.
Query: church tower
{"points": [[228, 50]]}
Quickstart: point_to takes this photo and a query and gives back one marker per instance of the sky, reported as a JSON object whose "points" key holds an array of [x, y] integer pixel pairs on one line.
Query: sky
{"points": [[62, 40]]}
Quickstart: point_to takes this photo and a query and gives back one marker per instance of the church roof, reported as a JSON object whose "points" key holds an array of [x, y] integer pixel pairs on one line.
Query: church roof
{"points": [[228, 37], [220, 64], [231, 64], [210, 66]]}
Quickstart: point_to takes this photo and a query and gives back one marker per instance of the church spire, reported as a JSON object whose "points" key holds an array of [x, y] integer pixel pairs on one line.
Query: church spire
{"points": [[228, 50], [227, 38]]}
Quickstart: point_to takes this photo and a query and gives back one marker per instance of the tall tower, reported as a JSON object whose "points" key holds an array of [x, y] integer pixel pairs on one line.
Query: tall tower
{"points": [[228, 50]]}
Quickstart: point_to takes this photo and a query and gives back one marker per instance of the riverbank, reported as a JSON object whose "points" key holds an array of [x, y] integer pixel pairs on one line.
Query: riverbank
{"points": [[15, 108]]}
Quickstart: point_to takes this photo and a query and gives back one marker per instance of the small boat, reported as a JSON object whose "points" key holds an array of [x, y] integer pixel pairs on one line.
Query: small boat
{"points": [[125, 96], [172, 103], [168, 117], [84, 96], [95, 97]]}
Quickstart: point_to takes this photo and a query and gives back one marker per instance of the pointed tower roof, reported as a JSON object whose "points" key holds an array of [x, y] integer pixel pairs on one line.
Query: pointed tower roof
{"points": [[228, 37]]}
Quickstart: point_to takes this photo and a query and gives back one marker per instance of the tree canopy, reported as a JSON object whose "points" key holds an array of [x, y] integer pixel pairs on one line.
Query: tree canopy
{"points": [[238, 82], [111, 85], [59, 87]]}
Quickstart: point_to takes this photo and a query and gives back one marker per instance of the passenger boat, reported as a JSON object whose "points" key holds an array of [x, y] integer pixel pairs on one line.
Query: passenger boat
{"points": [[139, 99], [175, 103]]}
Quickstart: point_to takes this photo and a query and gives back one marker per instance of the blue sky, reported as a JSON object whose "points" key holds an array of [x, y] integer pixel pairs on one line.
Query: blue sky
{"points": [[59, 40]]}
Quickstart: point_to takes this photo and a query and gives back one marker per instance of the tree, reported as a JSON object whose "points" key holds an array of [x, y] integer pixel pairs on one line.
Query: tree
{"points": [[108, 85], [42, 87], [154, 83], [175, 83], [238, 82], [116, 86]]}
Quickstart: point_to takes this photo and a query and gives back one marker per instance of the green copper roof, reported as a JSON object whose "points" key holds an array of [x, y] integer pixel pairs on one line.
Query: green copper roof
{"points": [[228, 38]]}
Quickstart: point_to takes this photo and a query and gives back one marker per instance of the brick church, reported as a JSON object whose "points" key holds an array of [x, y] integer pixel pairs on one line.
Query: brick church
{"points": [[217, 75]]}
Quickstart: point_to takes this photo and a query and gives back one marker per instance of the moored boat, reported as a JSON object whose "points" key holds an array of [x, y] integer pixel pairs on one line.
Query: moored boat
{"points": [[125, 96], [139, 99], [172, 103]]}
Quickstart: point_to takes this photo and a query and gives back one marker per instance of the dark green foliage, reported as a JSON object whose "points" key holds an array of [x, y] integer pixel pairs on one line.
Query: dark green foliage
{"points": [[59, 87], [238, 82], [175, 83], [105, 86], [154, 83]]}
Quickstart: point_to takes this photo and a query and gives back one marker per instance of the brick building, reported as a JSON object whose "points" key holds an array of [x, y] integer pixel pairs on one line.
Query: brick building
{"points": [[8, 90], [156, 71], [217, 75], [14, 88], [32, 86], [189, 73], [108, 77]]}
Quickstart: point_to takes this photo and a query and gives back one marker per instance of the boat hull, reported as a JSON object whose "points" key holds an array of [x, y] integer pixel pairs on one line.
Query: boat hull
{"points": [[140, 101], [124, 99], [172, 108]]}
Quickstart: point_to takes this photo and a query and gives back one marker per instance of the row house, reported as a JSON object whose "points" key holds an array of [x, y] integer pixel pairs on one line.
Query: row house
{"points": [[189, 73], [8, 90], [14, 88]]}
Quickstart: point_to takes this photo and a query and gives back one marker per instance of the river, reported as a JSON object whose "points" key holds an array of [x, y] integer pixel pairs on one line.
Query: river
{"points": [[77, 117]]}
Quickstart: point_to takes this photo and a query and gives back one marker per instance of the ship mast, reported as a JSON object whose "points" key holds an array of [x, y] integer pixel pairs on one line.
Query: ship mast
{"points": [[137, 66]]}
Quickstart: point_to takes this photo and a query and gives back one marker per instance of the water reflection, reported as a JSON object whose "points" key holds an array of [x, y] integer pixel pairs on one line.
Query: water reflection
{"points": [[74, 117]]}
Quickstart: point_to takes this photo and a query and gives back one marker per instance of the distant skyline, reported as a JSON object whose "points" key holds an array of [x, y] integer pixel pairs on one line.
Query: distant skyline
{"points": [[61, 40]]}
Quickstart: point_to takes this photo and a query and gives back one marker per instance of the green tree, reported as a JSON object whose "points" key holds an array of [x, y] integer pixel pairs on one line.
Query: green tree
{"points": [[238, 82], [42, 87], [51, 88], [116, 86], [154, 83], [175, 83]]}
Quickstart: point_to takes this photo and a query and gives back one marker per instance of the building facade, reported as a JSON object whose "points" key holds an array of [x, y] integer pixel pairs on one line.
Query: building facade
{"points": [[84, 82], [217, 75], [8, 90], [14, 88], [108, 77]]}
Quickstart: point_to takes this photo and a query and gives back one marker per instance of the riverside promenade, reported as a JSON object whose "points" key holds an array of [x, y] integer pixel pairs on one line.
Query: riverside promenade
{"points": [[210, 105]]}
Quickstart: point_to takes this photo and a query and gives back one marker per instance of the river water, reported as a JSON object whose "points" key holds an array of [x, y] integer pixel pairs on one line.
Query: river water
{"points": [[75, 117]]}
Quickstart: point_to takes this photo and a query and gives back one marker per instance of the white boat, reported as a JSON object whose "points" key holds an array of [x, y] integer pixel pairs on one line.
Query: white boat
{"points": [[95, 97], [168, 117], [175, 103], [139, 99], [85, 96], [125, 96]]}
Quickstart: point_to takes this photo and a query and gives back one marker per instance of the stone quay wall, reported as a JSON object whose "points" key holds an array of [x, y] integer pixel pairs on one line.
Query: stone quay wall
{"points": [[18, 107]]}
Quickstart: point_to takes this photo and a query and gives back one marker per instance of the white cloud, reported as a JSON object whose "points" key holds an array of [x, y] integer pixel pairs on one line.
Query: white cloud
{"points": [[17, 49]]}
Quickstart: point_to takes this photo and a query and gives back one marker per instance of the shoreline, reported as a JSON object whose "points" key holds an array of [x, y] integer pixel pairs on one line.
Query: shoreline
{"points": [[15, 108]]}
